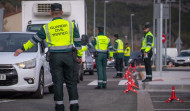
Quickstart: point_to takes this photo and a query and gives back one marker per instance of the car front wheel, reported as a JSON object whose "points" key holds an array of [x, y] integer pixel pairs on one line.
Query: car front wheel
{"points": [[40, 91]]}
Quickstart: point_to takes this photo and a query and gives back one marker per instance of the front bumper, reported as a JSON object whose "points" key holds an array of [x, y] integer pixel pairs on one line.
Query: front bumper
{"points": [[16, 79], [182, 63]]}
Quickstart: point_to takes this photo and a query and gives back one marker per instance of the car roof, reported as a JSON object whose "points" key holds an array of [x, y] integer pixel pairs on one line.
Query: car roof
{"points": [[185, 51]]}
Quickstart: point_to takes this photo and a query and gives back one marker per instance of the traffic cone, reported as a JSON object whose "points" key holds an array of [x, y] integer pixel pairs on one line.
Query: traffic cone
{"points": [[130, 84], [173, 96], [129, 87], [127, 73]]}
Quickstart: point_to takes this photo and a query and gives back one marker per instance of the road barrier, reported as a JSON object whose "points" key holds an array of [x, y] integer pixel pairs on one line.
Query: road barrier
{"points": [[129, 76]]}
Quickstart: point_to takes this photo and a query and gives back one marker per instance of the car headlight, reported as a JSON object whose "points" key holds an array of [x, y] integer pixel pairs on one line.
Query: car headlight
{"points": [[188, 59], [130, 60], [27, 64]]}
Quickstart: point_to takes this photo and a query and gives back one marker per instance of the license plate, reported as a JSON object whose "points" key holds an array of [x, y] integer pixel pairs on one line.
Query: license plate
{"points": [[2, 77]]}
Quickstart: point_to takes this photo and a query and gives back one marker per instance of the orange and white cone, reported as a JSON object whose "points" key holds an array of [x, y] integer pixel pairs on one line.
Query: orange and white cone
{"points": [[173, 96]]}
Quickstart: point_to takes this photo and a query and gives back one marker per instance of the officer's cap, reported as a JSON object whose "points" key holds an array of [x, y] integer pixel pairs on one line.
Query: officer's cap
{"points": [[56, 7], [100, 28], [146, 26], [116, 35]]}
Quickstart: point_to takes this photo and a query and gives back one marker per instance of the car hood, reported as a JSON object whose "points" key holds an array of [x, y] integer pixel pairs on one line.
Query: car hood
{"points": [[9, 58]]}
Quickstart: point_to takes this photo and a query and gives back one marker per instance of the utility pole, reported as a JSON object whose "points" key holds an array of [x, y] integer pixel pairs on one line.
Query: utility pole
{"points": [[132, 30], [94, 18], [1, 19], [179, 48], [105, 16]]}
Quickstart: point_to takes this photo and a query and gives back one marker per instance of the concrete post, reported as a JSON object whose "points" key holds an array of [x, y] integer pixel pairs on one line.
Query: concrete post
{"points": [[1, 19]]}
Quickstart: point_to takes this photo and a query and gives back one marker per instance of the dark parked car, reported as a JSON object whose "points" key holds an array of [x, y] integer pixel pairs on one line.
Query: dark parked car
{"points": [[169, 60], [135, 58]]}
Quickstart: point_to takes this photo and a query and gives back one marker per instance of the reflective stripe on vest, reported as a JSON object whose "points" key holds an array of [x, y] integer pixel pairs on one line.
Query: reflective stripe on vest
{"points": [[120, 46], [127, 51], [145, 44], [59, 34], [102, 43]]}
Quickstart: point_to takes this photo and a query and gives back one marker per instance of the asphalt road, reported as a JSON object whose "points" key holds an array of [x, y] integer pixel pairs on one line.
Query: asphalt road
{"points": [[90, 99]]}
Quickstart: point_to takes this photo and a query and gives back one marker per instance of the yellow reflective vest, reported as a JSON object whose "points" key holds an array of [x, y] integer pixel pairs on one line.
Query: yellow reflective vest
{"points": [[127, 51], [120, 46], [59, 36], [147, 45], [102, 43]]}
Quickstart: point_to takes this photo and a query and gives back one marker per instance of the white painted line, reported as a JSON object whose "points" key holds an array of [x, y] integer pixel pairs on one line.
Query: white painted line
{"points": [[6, 101], [95, 82], [172, 109], [123, 82]]}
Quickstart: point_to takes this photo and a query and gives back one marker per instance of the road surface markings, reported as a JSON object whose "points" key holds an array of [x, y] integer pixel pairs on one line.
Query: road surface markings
{"points": [[95, 82], [121, 82], [6, 101]]}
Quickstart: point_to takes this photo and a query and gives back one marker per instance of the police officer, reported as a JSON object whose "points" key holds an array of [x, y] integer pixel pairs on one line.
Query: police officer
{"points": [[146, 49], [60, 35], [127, 54], [118, 55], [102, 44]]}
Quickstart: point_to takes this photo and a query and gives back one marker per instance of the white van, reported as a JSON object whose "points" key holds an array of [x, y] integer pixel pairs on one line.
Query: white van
{"points": [[28, 72]]}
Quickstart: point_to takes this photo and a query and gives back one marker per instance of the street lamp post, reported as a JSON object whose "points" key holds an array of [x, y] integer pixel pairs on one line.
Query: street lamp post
{"points": [[179, 26], [132, 31], [94, 17], [105, 16]]}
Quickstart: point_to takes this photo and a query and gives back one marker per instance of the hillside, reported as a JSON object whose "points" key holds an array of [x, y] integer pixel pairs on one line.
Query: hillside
{"points": [[118, 18]]}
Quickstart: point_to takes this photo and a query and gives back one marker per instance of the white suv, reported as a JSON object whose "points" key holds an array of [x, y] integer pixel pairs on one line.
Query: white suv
{"points": [[183, 58], [28, 72]]}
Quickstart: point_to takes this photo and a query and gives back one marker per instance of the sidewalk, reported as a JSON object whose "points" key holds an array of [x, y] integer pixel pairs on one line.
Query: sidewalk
{"points": [[166, 79]]}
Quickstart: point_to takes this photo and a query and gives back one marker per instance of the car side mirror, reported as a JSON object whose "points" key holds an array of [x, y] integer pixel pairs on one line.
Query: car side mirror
{"points": [[46, 50], [84, 40]]}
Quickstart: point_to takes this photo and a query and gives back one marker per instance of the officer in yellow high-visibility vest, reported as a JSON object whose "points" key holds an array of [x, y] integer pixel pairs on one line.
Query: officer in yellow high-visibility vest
{"points": [[118, 55], [102, 44], [60, 35], [146, 49], [127, 54]]}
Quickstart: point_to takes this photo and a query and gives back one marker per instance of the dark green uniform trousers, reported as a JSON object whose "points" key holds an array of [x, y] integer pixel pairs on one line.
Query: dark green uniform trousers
{"points": [[126, 59], [119, 64], [147, 62], [62, 70], [101, 63]]}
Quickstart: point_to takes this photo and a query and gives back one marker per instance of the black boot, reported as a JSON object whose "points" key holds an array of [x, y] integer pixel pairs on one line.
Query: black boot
{"points": [[98, 87], [117, 76], [147, 80], [74, 107], [104, 87], [120, 75], [59, 107]]}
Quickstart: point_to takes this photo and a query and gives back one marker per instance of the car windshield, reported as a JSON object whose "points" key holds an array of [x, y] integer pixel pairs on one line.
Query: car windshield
{"points": [[184, 54], [10, 42], [34, 27]]}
